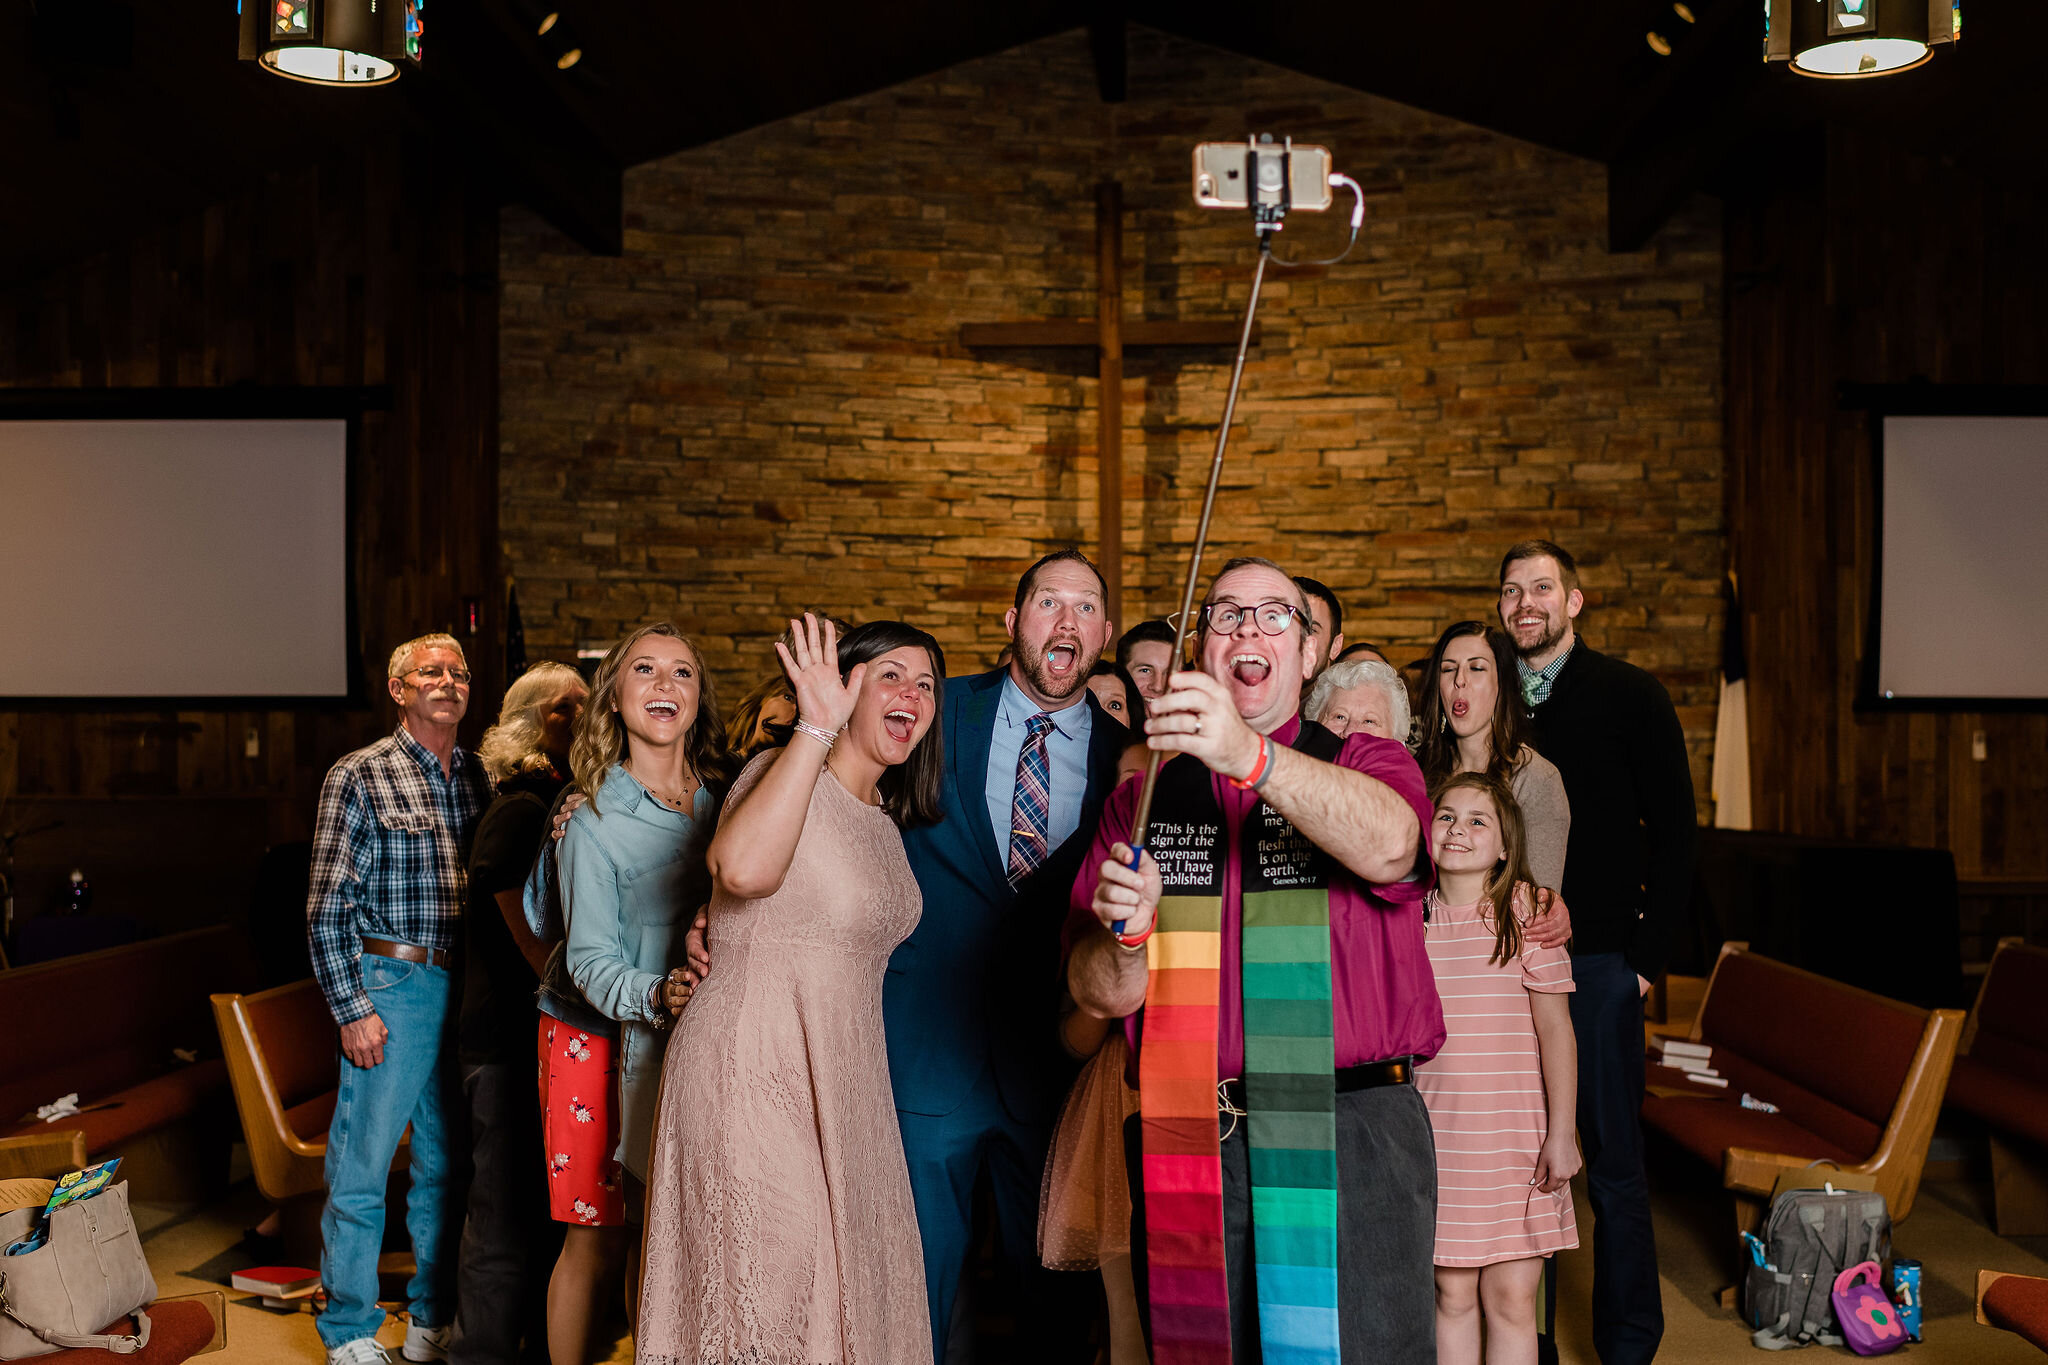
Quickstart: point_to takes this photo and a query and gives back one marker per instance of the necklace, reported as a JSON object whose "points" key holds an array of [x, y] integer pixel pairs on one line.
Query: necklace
{"points": [[682, 800]]}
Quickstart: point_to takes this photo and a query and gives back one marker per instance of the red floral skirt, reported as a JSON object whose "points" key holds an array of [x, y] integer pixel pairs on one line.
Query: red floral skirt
{"points": [[579, 1116]]}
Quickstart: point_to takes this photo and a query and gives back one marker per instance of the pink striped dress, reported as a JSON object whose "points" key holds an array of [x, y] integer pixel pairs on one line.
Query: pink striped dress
{"points": [[1485, 1096]]}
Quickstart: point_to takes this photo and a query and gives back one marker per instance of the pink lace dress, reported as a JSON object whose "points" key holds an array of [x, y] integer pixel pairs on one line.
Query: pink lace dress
{"points": [[780, 1229]]}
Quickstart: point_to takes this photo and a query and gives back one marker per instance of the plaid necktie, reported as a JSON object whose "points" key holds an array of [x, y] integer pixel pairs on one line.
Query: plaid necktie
{"points": [[1031, 809]]}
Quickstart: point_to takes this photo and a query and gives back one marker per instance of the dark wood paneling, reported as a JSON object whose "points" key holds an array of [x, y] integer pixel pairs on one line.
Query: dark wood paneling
{"points": [[379, 267], [1890, 265]]}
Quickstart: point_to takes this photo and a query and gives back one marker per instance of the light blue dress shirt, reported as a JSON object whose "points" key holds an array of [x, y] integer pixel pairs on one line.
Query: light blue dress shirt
{"points": [[1066, 752]]}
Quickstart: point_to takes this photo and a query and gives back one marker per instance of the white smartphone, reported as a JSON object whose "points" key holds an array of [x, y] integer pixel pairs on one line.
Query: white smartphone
{"points": [[1287, 175]]}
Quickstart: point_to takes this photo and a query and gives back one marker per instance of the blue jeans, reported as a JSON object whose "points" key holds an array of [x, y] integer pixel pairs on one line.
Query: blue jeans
{"points": [[371, 1111]]}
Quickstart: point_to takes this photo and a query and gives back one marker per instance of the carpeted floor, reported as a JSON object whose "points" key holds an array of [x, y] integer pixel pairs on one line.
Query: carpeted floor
{"points": [[1948, 1232]]}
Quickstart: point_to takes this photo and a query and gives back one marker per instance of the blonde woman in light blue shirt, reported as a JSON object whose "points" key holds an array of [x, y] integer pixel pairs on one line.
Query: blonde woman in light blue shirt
{"points": [[650, 753]]}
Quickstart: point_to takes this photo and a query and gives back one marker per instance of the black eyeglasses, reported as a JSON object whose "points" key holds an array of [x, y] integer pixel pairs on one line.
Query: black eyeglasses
{"points": [[1272, 618], [433, 673]]}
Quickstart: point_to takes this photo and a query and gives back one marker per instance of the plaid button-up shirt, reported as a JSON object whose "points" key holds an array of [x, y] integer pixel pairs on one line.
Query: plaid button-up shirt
{"points": [[390, 849], [1537, 682]]}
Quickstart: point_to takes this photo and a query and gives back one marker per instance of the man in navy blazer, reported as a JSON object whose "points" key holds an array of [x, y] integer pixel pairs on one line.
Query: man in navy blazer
{"points": [[970, 1002]]}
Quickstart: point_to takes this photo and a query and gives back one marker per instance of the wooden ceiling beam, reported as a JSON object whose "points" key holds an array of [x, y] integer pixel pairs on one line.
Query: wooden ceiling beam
{"points": [[1670, 137], [1107, 44], [480, 90]]}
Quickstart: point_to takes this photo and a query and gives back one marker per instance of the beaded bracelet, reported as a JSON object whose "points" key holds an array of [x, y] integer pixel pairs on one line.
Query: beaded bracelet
{"points": [[817, 732]]}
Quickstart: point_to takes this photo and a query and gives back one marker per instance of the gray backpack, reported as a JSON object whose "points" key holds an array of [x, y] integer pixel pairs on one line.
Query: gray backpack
{"points": [[1811, 1237]]}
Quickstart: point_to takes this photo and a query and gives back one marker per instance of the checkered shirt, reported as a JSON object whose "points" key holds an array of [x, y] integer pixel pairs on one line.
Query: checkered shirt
{"points": [[1537, 682], [390, 849]]}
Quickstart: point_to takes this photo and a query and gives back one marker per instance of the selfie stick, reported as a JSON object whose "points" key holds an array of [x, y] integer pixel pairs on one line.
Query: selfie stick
{"points": [[1184, 626]]}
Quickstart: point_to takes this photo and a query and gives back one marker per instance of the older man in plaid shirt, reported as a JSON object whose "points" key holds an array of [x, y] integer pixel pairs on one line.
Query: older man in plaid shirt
{"points": [[389, 849]]}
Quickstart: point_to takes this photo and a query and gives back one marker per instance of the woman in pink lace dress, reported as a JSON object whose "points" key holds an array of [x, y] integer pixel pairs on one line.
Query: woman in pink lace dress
{"points": [[780, 1227]]}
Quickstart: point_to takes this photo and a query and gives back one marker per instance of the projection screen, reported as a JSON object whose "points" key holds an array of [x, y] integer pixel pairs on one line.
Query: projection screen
{"points": [[174, 558], [1963, 557]]}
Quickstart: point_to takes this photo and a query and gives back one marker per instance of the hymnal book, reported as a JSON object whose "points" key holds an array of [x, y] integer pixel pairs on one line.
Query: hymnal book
{"points": [[276, 1281], [1693, 1065], [1679, 1047]]}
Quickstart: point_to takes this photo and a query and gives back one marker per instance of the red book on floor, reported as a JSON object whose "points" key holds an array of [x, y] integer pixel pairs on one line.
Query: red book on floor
{"points": [[278, 1281]]}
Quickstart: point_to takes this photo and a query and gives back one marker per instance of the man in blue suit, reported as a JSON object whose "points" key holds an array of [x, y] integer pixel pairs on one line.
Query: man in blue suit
{"points": [[970, 1003]]}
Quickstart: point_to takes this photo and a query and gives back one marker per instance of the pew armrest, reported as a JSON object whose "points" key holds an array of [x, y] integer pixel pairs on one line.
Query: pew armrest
{"points": [[45, 1156]]}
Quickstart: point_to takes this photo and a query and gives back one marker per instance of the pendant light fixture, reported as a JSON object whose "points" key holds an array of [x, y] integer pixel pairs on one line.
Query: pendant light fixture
{"points": [[1845, 39], [332, 42]]}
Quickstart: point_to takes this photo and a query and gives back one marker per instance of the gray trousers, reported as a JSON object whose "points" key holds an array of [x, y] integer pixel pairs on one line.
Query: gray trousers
{"points": [[1386, 1231]]}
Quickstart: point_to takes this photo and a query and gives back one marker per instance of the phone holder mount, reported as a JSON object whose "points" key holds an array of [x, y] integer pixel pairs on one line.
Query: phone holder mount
{"points": [[1268, 171]]}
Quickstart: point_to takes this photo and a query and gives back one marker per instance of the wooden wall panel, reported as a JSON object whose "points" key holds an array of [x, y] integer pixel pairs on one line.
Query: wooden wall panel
{"points": [[376, 268], [1892, 265]]}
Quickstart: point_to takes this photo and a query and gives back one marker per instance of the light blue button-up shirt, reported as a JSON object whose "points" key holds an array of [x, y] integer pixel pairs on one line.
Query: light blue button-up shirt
{"points": [[631, 883], [1066, 752]]}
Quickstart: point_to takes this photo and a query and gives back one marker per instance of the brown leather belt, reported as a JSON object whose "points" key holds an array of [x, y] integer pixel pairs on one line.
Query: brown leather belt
{"points": [[1398, 1071], [407, 952]]}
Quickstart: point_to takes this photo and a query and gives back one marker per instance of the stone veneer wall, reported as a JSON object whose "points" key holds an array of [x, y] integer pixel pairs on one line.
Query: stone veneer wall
{"points": [[764, 404]]}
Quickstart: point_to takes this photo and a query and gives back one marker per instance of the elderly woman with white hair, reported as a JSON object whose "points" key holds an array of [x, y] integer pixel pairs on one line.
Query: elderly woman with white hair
{"points": [[508, 1239], [1359, 695]]}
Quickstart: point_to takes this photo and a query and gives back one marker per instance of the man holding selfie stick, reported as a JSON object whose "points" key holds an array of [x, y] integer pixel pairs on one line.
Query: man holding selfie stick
{"points": [[1274, 847]]}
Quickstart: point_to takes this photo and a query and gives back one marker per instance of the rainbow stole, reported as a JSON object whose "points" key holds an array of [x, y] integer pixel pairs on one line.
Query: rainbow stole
{"points": [[1290, 1077]]}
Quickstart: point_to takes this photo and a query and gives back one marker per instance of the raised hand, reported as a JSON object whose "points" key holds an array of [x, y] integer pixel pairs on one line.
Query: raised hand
{"points": [[822, 699]]}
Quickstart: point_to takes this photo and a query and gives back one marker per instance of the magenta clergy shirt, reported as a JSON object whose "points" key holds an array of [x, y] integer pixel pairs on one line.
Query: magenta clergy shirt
{"points": [[1383, 991]]}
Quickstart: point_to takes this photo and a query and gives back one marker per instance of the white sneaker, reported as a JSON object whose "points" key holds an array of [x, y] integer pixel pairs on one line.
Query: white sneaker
{"points": [[423, 1344], [361, 1351]]}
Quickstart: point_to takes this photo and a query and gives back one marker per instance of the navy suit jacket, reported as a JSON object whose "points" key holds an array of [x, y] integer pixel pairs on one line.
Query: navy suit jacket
{"points": [[977, 982]]}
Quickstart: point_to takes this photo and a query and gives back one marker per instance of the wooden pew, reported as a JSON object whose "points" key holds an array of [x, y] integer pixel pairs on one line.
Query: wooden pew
{"points": [[121, 1015], [1857, 1078], [282, 1051], [2002, 1082]]}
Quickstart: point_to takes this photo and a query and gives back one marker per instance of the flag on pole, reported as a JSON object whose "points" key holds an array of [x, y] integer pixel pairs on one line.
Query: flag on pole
{"points": [[515, 636], [1731, 727]]}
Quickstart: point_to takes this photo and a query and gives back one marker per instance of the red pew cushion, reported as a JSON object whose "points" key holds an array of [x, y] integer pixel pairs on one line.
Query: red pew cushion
{"points": [[2019, 1304], [2001, 1100]]}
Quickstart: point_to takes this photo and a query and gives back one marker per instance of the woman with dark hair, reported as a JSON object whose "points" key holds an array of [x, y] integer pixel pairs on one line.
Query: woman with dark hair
{"points": [[1117, 694], [762, 719], [1473, 722], [649, 752], [780, 1222]]}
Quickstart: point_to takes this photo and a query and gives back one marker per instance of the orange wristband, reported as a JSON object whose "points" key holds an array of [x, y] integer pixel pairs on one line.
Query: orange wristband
{"points": [[1133, 942], [1259, 769]]}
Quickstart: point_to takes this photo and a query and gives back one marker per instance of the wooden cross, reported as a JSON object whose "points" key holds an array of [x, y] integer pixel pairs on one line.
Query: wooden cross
{"points": [[1110, 335]]}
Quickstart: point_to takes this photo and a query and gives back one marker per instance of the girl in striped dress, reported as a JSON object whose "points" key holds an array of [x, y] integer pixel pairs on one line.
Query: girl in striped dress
{"points": [[1502, 1092]]}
